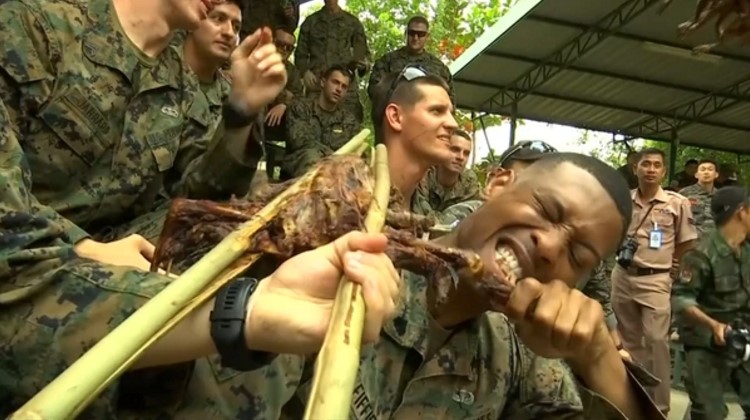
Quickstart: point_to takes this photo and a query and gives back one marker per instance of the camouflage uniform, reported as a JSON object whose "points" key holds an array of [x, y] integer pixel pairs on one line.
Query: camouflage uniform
{"points": [[102, 125], [54, 306], [700, 204], [395, 61], [440, 198], [313, 133], [419, 370], [716, 281], [598, 286], [292, 90], [327, 38], [57, 57], [270, 13]]}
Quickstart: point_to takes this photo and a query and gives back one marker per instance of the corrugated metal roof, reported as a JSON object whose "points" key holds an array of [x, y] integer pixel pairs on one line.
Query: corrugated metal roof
{"points": [[610, 65]]}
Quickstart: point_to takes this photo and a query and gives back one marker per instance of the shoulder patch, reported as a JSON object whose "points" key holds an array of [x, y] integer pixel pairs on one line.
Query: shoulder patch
{"points": [[686, 273]]}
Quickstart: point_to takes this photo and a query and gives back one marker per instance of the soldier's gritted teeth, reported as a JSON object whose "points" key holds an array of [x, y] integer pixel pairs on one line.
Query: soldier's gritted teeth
{"points": [[557, 230]]}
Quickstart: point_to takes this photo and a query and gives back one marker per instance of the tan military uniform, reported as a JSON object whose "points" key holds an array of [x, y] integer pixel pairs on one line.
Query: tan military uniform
{"points": [[641, 293]]}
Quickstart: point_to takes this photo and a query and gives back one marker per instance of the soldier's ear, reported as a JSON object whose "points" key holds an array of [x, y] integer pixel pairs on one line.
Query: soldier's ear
{"points": [[393, 117], [499, 179]]}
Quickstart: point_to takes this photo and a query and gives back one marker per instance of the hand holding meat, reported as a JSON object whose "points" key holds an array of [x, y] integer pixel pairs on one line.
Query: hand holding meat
{"points": [[292, 308], [556, 321], [258, 72]]}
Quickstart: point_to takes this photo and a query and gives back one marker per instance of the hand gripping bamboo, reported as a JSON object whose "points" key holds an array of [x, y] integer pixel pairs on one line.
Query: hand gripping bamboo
{"points": [[338, 360], [67, 395]]}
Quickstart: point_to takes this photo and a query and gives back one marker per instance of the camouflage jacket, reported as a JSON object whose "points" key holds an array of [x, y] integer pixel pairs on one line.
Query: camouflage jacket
{"points": [[440, 198], [598, 286], [293, 88], [270, 13], [313, 133], [327, 38], [395, 61], [480, 371], [716, 280], [68, 303], [700, 204], [99, 144]]}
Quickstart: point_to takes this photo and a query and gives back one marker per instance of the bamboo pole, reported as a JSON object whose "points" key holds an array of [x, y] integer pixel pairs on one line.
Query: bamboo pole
{"points": [[338, 360], [64, 396]]}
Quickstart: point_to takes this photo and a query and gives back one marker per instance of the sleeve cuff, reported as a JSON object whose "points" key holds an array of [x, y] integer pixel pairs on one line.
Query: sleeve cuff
{"points": [[611, 321], [595, 406]]}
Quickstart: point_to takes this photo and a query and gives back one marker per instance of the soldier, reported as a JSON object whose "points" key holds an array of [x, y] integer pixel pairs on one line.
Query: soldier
{"points": [[628, 169], [463, 360], [101, 124], [686, 177], [275, 14], [55, 304], [412, 115], [511, 162], [333, 36], [712, 293], [413, 53], [275, 121], [316, 127], [700, 195], [596, 286], [661, 231], [446, 185]]}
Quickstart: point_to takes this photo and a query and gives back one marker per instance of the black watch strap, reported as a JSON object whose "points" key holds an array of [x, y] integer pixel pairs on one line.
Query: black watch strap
{"points": [[228, 326], [236, 118]]}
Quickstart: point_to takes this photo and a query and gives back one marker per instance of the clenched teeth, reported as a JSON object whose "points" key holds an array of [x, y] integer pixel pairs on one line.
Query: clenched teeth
{"points": [[508, 262]]}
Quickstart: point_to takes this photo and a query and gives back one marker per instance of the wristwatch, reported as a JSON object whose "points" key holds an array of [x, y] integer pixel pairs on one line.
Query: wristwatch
{"points": [[228, 326], [234, 117]]}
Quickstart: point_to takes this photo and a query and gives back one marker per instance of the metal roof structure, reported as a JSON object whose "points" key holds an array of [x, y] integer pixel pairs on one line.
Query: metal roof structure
{"points": [[610, 65]]}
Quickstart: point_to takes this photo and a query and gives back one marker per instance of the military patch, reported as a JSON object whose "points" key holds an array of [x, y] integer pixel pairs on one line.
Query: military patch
{"points": [[686, 274]]}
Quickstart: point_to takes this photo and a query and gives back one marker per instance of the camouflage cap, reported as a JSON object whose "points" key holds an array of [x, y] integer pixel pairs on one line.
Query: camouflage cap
{"points": [[726, 201]]}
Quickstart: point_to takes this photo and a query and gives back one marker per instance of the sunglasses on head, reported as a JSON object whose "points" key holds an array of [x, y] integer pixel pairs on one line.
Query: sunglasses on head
{"points": [[414, 32], [534, 145], [409, 73]]}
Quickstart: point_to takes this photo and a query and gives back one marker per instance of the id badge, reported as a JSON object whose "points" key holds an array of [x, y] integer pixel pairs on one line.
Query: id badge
{"points": [[654, 238]]}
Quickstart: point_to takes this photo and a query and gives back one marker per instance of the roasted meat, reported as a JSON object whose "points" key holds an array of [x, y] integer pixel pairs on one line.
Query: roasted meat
{"points": [[334, 201], [732, 21]]}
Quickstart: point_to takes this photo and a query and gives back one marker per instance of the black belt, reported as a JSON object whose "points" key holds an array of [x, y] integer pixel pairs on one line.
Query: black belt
{"points": [[643, 271]]}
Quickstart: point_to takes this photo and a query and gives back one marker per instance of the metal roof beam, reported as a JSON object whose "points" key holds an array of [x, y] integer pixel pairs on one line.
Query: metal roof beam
{"points": [[659, 116], [619, 76], [694, 111], [572, 51], [633, 37]]}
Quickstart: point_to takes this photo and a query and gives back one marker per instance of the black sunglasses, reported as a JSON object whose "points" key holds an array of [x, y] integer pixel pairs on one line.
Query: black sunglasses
{"points": [[537, 146], [414, 32]]}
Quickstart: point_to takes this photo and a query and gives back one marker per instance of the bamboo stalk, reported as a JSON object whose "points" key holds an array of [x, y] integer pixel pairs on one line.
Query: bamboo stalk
{"points": [[225, 277], [64, 396], [338, 360]]}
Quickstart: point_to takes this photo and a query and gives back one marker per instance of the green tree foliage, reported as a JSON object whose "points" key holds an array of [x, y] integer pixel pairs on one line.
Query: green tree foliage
{"points": [[454, 26]]}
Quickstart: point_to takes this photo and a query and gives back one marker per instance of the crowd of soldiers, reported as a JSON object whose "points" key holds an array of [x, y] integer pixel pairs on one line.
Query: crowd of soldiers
{"points": [[109, 109]]}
